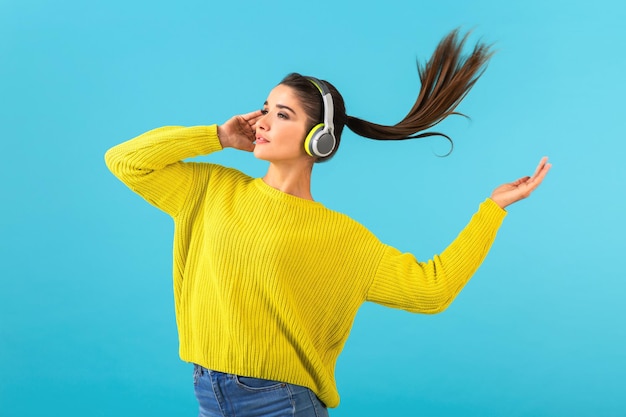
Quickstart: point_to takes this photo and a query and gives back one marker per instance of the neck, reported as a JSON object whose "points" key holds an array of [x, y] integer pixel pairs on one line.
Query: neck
{"points": [[290, 179]]}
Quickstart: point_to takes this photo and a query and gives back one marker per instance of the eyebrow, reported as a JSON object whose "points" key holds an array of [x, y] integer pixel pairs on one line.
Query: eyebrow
{"points": [[282, 106]]}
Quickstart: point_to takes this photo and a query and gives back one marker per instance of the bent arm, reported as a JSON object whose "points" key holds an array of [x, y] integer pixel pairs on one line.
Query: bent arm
{"points": [[429, 287], [151, 164]]}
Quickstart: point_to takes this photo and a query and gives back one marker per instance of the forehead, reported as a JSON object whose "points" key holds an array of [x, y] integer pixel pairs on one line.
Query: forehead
{"points": [[284, 95]]}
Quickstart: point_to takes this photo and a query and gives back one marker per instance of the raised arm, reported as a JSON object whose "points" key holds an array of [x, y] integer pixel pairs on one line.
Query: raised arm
{"points": [[429, 287], [151, 164]]}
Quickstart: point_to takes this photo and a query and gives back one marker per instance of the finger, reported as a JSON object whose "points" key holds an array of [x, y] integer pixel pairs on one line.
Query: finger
{"points": [[252, 116], [253, 122], [537, 179], [542, 170], [520, 181], [247, 130], [540, 167]]}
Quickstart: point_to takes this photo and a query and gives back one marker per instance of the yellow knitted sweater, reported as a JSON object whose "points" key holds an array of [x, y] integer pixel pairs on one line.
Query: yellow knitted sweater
{"points": [[267, 284]]}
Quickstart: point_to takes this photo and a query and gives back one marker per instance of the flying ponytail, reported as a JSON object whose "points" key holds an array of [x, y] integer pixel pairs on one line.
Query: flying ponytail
{"points": [[445, 80]]}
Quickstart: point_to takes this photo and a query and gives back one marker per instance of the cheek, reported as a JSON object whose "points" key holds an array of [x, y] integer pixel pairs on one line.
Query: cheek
{"points": [[301, 134], [295, 135], [301, 139]]}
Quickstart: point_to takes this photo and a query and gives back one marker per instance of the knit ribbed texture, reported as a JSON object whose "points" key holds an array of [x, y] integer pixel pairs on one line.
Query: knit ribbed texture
{"points": [[267, 284], [429, 287]]}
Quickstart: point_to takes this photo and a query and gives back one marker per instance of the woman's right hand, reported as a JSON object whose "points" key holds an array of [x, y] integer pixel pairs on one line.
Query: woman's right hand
{"points": [[238, 132]]}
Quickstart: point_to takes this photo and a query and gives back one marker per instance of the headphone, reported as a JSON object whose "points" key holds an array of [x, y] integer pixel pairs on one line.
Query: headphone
{"points": [[321, 142]]}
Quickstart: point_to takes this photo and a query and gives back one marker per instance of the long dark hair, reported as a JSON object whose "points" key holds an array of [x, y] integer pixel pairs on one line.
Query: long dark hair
{"points": [[445, 80]]}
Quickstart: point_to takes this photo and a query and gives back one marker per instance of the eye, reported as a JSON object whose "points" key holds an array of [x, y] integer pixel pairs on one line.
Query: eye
{"points": [[263, 111], [283, 116]]}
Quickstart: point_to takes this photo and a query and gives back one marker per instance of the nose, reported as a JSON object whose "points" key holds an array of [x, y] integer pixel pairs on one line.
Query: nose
{"points": [[262, 122]]}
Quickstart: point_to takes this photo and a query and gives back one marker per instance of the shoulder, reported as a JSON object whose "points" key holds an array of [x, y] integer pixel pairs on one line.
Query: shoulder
{"points": [[213, 181], [349, 227]]}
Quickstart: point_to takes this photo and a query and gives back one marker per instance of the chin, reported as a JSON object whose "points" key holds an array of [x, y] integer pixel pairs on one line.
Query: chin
{"points": [[259, 154]]}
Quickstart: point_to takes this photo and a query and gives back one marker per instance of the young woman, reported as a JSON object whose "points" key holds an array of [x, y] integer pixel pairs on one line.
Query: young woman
{"points": [[267, 281]]}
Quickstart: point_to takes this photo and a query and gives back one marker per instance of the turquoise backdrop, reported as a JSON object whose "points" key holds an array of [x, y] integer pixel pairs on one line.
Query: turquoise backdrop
{"points": [[86, 309]]}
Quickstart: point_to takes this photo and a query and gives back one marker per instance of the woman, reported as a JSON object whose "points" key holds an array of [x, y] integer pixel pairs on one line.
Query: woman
{"points": [[267, 281]]}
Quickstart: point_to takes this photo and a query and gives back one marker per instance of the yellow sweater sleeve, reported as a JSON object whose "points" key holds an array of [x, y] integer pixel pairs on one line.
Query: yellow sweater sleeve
{"points": [[429, 287], [151, 164]]}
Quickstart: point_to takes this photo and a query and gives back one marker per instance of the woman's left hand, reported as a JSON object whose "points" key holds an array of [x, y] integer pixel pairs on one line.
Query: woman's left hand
{"points": [[507, 194]]}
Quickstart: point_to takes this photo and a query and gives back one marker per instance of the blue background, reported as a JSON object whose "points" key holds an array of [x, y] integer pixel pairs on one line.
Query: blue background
{"points": [[86, 310]]}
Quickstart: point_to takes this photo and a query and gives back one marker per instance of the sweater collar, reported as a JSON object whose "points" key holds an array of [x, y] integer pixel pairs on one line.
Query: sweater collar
{"points": [[280, 196]]}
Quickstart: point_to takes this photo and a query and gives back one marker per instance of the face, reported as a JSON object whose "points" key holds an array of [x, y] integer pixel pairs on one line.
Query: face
{"points": [[281, 131]]}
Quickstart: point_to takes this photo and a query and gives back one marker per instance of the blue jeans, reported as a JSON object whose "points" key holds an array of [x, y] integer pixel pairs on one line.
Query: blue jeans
{"points": [[228, 395]]}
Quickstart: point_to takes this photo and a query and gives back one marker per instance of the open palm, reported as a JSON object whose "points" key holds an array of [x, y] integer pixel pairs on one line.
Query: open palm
{"points": [[507, 194]]}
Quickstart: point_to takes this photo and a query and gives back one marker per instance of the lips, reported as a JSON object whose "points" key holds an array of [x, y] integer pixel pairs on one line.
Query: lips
{"points": [[260, 140]]}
